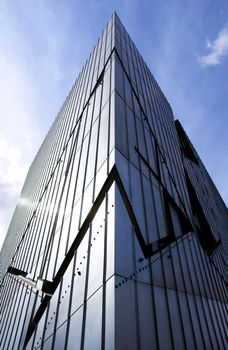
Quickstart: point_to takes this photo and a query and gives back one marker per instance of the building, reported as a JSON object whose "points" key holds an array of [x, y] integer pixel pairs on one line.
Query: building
{"points": [[119, 239]]}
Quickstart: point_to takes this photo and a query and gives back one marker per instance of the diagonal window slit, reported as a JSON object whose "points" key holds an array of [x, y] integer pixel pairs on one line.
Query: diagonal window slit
{"points": [[147, 249]]}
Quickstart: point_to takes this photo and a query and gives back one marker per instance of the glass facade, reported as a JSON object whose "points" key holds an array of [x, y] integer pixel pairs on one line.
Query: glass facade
{"points": [[119, 239]]}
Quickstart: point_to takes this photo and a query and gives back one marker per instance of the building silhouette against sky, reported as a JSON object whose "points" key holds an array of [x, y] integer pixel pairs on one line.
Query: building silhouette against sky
{"points": [[119, 239]]}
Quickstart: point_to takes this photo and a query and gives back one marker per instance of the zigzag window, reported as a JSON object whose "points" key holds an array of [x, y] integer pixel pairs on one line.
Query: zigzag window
{"points": [[185, 144], [203, 229], [177, 223]]}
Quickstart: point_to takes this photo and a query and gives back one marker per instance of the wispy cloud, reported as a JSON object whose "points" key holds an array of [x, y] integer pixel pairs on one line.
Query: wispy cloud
{"points": [[26, 69], [218, 49], [17, 129], [13, 169]]}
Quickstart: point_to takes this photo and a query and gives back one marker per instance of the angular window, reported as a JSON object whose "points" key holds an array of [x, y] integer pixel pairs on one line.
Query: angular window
{"points": [[177, 222], [185, 144], [204, 232]]}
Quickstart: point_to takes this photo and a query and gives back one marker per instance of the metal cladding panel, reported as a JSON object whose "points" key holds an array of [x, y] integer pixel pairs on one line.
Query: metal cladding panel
{"points": [[61, 187], [107, 227], [186, 292]]}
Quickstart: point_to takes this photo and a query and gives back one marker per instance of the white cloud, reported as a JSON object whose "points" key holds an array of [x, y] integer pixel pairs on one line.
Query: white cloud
{"points": [[20, 133], [13, 170], [17, 128], [35, 76], [21, 113], [218, 49], [12, 167]]}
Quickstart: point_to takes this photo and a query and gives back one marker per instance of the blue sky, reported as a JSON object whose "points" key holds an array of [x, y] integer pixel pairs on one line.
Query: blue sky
{"points": [[44, 44]]}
